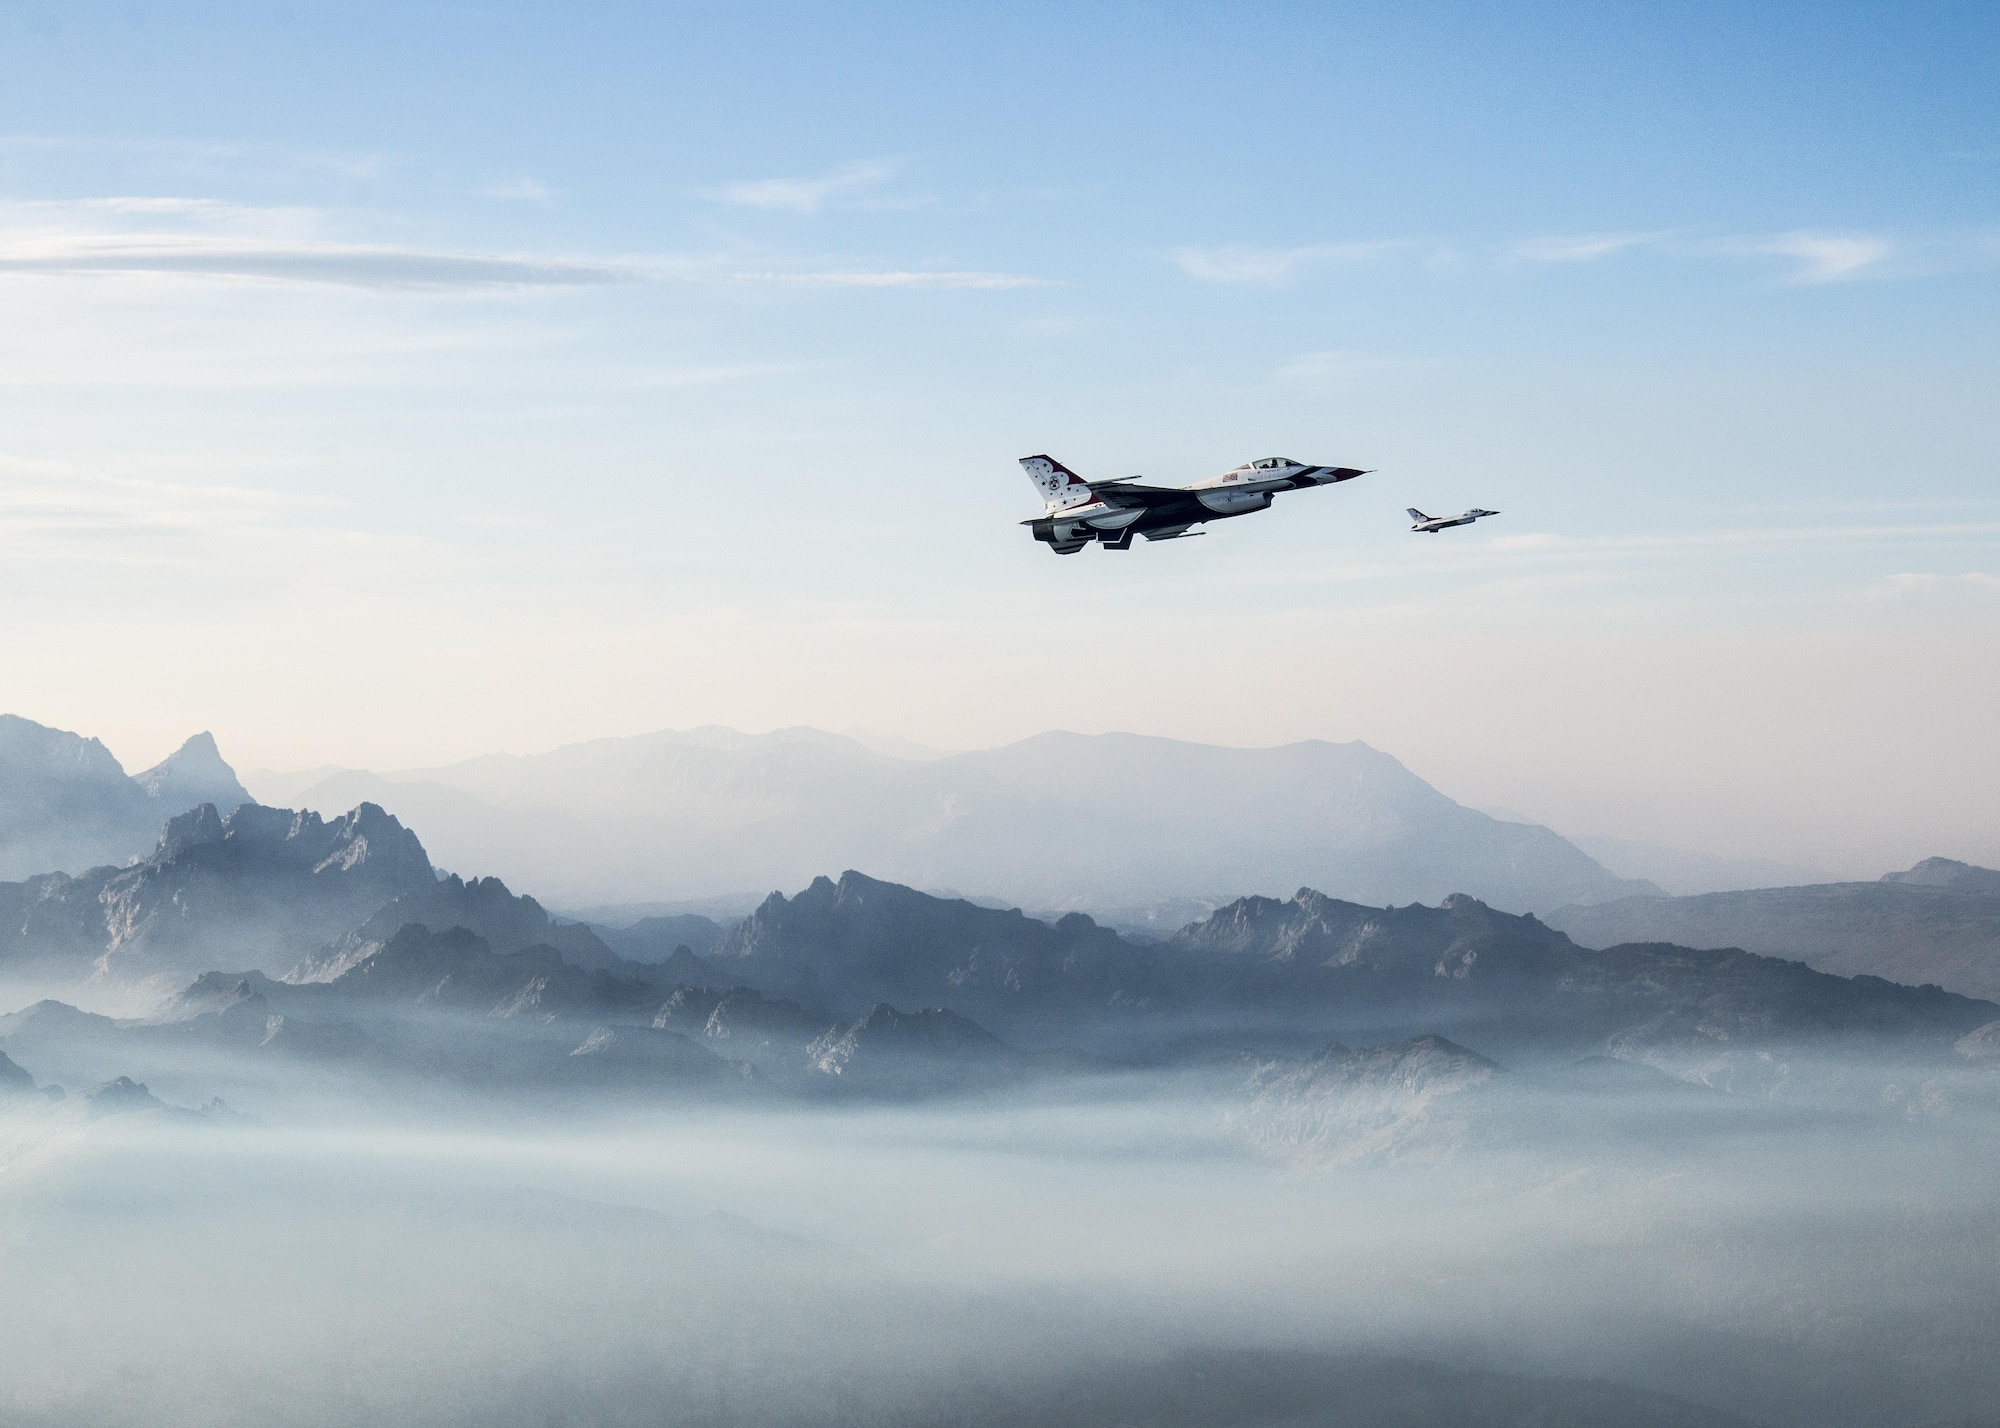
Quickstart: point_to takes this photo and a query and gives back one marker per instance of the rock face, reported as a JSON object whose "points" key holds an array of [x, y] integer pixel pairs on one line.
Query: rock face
{"points": [[192, 775], [840, 948], [1502, 981], [120, 1097], [1937, 922], [1382, 1101], [890, 1052], [1065, 821], [885, 1052], [1981, 1045], [458, 970], [261, 888], [641, 1059], [69, 805], [1261, 971], [742, 1024], [482, 906]]}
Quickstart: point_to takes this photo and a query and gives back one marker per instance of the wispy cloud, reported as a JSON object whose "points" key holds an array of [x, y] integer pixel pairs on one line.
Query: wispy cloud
{"points": [[1243, 263], [1813, 257], [172, 237], [807, 195], [1820, 257], [1580, 247], [1917, 581], [900, 278], [344, 264], [196, 237]]}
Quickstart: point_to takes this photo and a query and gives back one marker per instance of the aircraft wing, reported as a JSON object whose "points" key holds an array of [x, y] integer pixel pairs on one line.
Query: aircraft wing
{"points": [[1127, 493]]}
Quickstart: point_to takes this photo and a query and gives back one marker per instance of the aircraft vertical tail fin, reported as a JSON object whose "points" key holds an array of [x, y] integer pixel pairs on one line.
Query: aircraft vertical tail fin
{"points": [[1059, 486], [1417, 515]]}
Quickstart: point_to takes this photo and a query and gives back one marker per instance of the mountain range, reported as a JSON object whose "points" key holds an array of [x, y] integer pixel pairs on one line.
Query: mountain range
{"points": [[311, 947], [1294, 974], [1936, 922], [1059, 821], [70, 806]]}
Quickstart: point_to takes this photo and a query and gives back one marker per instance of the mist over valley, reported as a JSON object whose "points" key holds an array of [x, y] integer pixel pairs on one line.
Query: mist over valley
{"points": [[872, 1154]]}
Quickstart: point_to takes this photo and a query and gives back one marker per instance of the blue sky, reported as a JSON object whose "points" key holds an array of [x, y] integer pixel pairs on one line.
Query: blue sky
{"points": [[391, 384]]}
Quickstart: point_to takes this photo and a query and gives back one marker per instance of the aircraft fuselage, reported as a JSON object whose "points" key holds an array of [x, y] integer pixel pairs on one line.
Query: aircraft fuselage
{"points": [[1109, 513]]}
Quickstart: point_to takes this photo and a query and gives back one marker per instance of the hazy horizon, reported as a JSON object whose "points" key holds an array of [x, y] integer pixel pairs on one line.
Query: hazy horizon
{"points": [[286, 783], [685, 386]]}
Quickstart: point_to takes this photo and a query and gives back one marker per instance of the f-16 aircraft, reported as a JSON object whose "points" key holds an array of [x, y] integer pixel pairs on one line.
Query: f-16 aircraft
{"points": [[1434, 524], [1110, 513]]}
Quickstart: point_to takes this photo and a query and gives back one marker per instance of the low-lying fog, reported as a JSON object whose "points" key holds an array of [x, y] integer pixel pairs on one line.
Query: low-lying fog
{"points": [[1111, 1250]]}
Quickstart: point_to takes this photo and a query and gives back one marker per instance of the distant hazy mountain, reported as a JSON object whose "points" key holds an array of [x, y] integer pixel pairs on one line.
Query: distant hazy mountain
{"points": [[1057, 821], [66, 804], [653, 939], [192, 775], [1937, 922], [1949, 874]]}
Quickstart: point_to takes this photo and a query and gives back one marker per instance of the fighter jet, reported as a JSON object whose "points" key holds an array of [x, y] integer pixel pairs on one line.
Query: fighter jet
{"points": [[1433, 524], [1110, 513]]}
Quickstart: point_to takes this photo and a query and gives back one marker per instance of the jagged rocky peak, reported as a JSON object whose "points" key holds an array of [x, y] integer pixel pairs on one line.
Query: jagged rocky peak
{"points": [[65, 803], [254, 888], [194, 773], [250, 837], [840, 948], [28, 747], [509, 922], [119, 1097], [687, 1009], [70, 806], [928, 1050], [1314, 930], [1950, 874], [214, 992]]}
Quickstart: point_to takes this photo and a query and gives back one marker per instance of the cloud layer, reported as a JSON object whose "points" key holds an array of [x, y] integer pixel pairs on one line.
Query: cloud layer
{"points": [[807, 195], [345, 264]]}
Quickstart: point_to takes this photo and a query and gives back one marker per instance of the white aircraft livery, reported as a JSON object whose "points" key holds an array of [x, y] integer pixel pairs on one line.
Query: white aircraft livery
{"points": [[1433, 524], [1078, 512]]}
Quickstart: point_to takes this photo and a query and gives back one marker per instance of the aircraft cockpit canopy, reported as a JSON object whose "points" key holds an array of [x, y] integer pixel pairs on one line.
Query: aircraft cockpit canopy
{"points": [[1272, 463]]}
